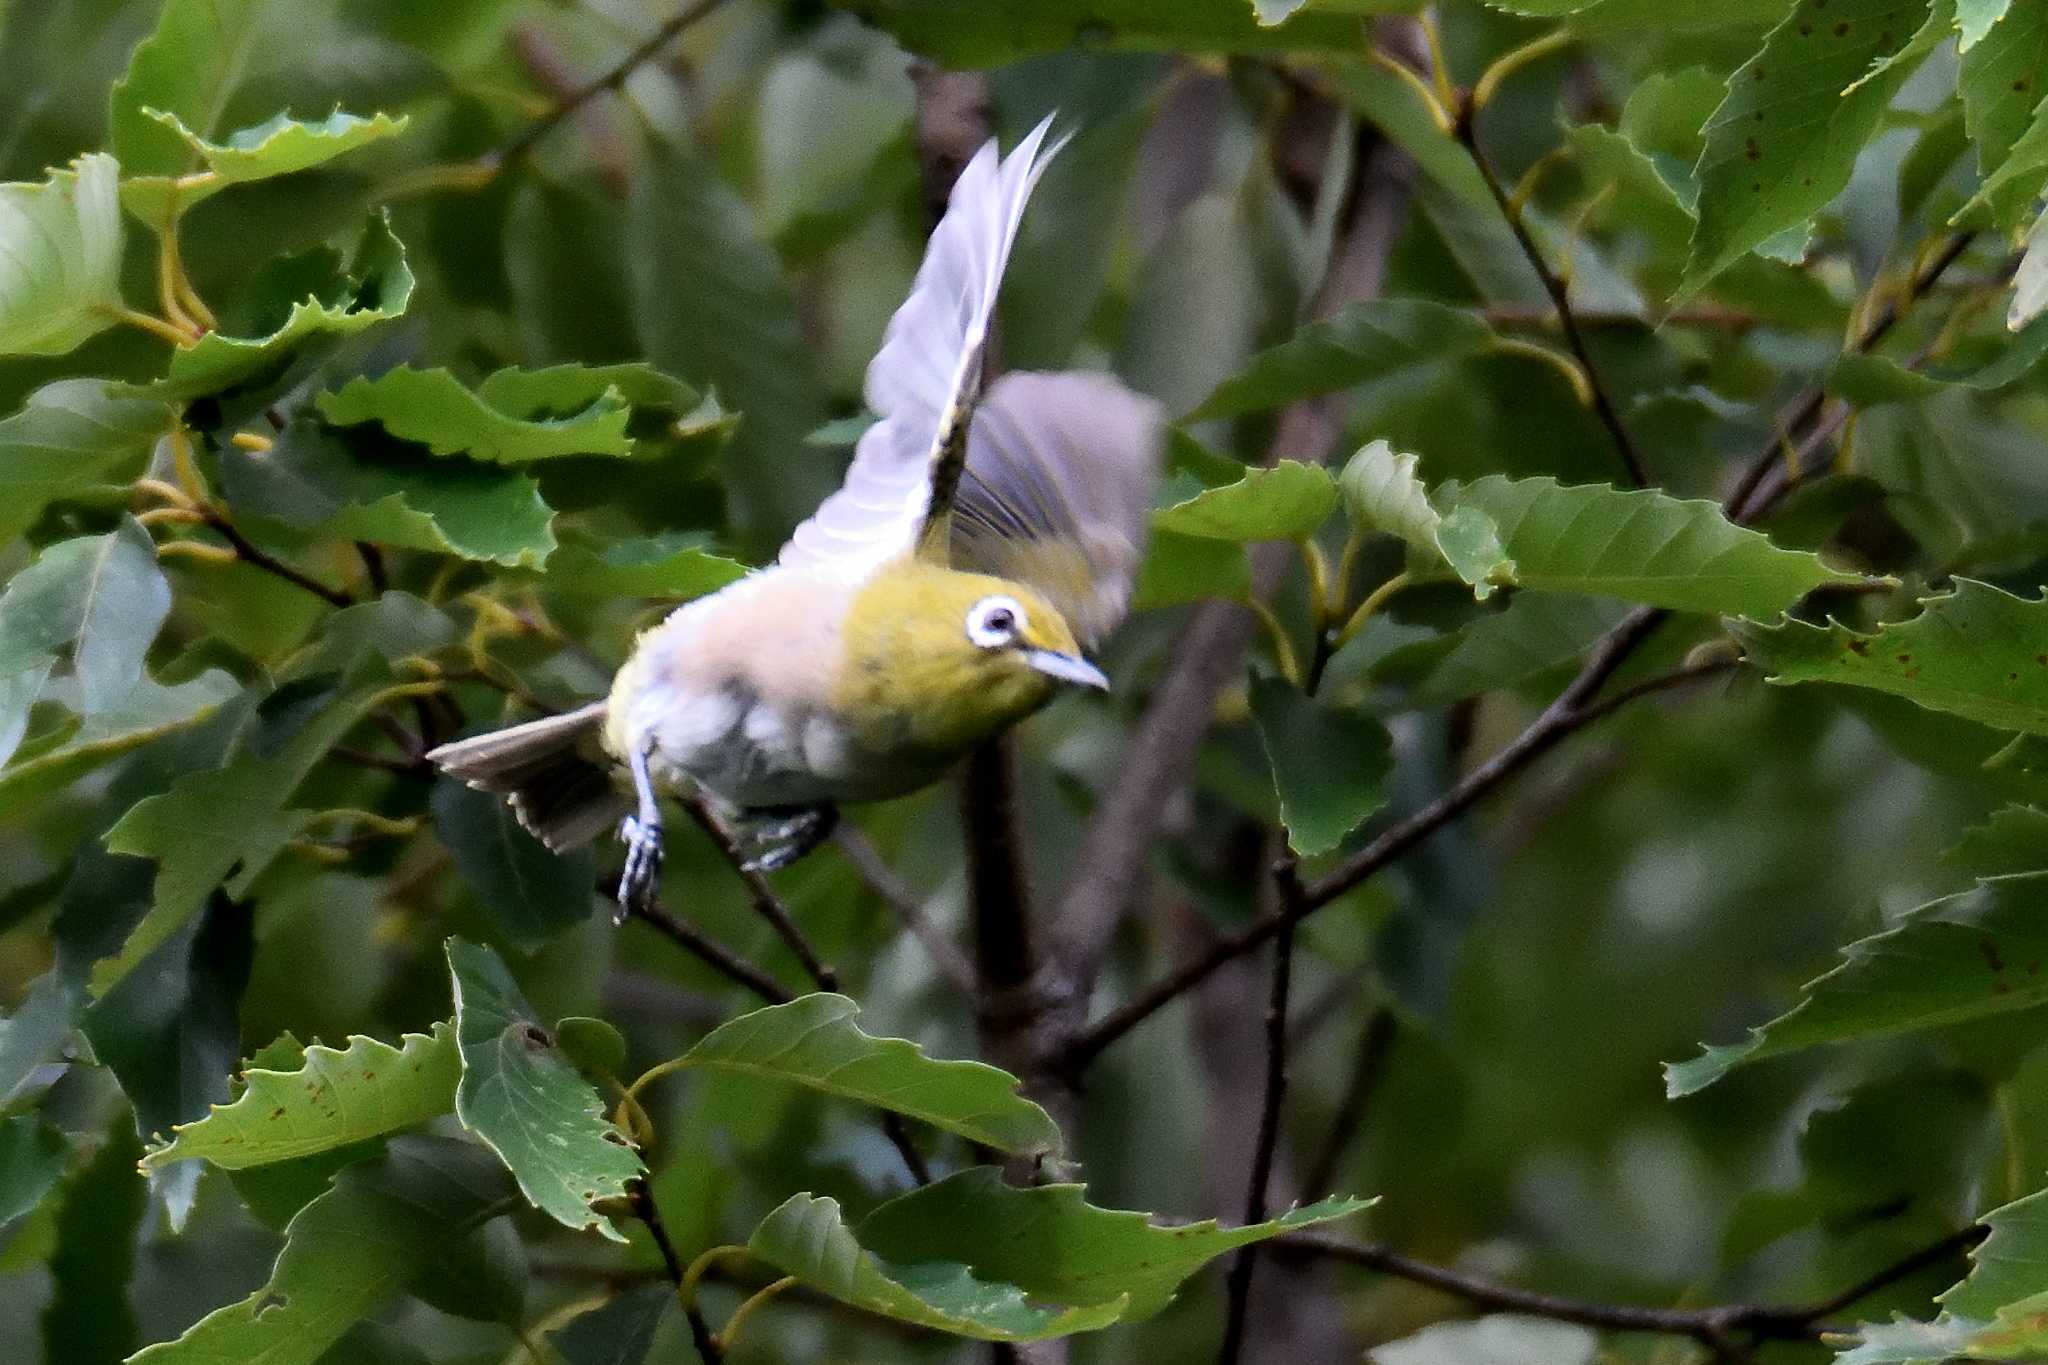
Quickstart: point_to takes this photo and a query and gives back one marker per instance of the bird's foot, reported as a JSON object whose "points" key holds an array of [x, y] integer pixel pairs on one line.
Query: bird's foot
{"points": [[774, 842], [640, 882]]}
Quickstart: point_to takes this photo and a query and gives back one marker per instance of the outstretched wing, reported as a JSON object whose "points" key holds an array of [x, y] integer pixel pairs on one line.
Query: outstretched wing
{"points": [[1058, 491], [925, 380]]}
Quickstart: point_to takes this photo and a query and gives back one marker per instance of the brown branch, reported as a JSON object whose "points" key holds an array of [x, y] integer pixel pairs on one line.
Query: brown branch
{"points": [[567, 106], [269, 563], [762, 897], [1466, 131], [641, 1199], [714, 955], [1712, 1326], [902, 899]]}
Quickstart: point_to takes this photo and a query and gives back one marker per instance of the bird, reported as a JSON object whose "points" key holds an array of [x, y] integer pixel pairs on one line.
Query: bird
{"points": [[988, 533]]}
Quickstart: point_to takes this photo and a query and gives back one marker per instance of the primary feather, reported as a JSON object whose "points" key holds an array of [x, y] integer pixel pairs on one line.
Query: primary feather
{"points": [[925, 380]]}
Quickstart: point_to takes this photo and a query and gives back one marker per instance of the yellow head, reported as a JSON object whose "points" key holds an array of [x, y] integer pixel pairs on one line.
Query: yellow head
{"points": [[938, 660]]}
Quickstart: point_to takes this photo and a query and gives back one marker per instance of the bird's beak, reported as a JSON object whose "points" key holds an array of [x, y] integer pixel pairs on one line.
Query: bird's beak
{"points": [[1067, 668]]}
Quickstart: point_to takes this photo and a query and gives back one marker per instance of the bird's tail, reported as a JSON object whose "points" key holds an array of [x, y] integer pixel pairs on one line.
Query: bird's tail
{"points": [[552, 770]]}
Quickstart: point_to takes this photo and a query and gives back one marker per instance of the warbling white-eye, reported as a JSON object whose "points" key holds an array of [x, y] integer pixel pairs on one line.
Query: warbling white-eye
{"points": [[983, 536]]}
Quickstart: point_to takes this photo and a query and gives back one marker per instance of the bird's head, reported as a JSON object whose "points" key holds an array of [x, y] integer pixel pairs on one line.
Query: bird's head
{"points": [[952, 658]]}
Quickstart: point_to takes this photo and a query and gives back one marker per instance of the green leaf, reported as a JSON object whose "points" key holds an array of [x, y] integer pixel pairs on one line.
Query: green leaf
{"points": [[2030, 281], [996, 32], [1179, 569], [597, 1048], [187, 67], [620, 1332], [211, 823], [1288, 501], [1640, 545], [149, 712], [435, 409], [1963, 957], [385, 1224], [1382, 492], [364, 487], [33, 1033], [673, 565], [1536, 634], [527, 1102], [330, 1099], [1978, 652], [1470, 543], [527, 893], [1796, 115], [99, 1212], [1994, 1314], [71, 436], [1058, 1248], [813, 1042], [1329, 765], [805, 1237], [1975, 18], [1373, 340], [60, 258], [32, 1156], [2014, 840], [376, 289], [1498, 1339], [280, 145], [2000, 85]]}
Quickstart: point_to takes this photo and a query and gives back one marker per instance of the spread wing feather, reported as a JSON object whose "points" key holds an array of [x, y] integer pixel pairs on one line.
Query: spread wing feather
{"points": [[925, 380], [1058, 490]]}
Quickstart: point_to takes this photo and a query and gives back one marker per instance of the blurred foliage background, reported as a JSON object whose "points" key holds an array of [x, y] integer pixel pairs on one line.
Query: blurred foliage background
{"points": [[1476, 1032]]}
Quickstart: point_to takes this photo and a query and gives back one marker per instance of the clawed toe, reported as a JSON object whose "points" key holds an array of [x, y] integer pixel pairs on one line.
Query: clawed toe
{"points": [[776, 843], [640, 880]]}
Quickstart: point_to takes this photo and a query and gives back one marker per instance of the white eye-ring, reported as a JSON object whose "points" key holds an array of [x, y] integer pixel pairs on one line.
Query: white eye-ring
{"points": [[994, 622]]}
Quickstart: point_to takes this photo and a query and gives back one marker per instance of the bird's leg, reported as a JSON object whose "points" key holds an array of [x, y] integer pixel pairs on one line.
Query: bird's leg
{"points": [[640, 882], [777, 836]]}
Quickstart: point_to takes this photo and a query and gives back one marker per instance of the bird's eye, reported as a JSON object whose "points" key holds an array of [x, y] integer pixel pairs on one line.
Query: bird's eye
{"points": [[994, 622]]}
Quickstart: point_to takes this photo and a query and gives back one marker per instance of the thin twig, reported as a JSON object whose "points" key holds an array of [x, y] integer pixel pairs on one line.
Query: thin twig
{"points": [[1467, 134], [1239, 1286], [715, 955], [644, 1208], [566, 107], [247, 552], [882, 880], [762, 897], [1712, 1326]]}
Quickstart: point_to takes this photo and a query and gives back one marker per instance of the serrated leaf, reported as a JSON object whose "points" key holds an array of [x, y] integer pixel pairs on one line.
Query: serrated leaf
{"points": [[367, 488], [806, 1237], [1382, 492], [1639, 545], [1786, 136], [1995, 1313], [60, 258], [659, 566], [435, 409], [69, 437], [1363, 341], [527, 1102], [330, 1099], [1329, 765], [377, 288], [2015, 839], [1179, 569], [384, 1225], [813, 1042], [997, 32], [210, 823], [186, 67], [280, 145], [1287, 501], [528, 893], [1974, 19], [1058, 1248], [2000, 84], [1470, 542], [1978, 652], [1963, 957]]}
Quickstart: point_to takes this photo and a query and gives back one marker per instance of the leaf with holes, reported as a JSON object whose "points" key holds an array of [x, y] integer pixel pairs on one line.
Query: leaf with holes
{"points": [[1364, 341], [1640, 545], [813, 1042], [330, 1099], [1329, 764], [526, 1100], [1978, 652], [1963, 957], [1286, 502], [385, 1225], [1795, 117], [60, 258]]}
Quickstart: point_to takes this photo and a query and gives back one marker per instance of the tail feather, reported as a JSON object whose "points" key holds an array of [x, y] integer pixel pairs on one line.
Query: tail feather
{"points": [[552, 770]]}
